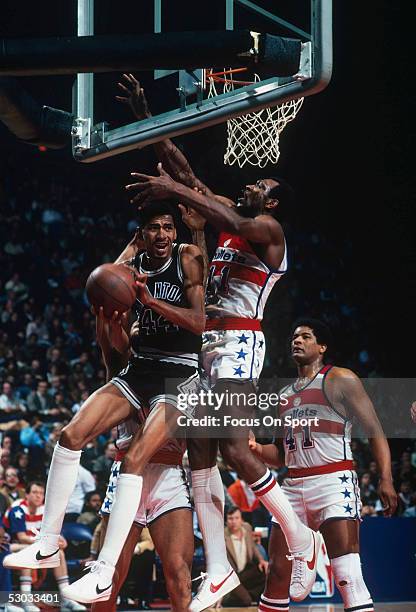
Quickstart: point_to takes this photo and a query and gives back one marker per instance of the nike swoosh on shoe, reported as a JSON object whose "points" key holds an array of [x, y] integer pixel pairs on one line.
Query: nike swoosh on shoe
{"points": [[214, 587], [40, 557], [99, 591]]}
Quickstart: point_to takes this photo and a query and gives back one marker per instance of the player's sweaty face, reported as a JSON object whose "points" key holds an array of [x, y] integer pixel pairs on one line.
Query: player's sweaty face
{"points": [[159, 234], [304, 345], [255, 196]]}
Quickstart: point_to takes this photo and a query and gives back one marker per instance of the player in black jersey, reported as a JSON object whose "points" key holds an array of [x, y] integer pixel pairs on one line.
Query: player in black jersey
{"points": [[165, 340]]}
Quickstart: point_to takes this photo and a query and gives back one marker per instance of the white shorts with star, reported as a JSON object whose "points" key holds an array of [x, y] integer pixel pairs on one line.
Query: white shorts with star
{"points": [[315, 499], [233, 354], [165, 489]]}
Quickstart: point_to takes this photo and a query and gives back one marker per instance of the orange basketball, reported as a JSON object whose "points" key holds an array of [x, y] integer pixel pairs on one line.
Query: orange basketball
{"points": [[111, 286]]}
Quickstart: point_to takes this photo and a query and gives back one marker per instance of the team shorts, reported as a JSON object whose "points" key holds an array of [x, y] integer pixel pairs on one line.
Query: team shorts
{"points": [[165, 489], [232, 354], [146, 383], [316, 499]]}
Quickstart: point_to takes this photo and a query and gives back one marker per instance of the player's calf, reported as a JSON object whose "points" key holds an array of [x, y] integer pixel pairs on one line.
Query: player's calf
{"points": [[178, 584], [350, 583]]}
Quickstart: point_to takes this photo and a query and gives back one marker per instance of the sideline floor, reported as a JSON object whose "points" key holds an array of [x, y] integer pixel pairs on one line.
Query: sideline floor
{"points": [[380, 607]]}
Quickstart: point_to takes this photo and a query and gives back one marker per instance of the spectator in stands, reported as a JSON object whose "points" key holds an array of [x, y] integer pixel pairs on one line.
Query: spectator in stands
{"points": [[85, 484], [18, 288], [7, 442], [9, 400], [101, 467], [5, 574], [25, 387], [20, 520], [246, 560], [40, 402], [22, 465], [90, 514], [35, 434], [5, 458], [12, 489], [405, 496], [373, 471]]}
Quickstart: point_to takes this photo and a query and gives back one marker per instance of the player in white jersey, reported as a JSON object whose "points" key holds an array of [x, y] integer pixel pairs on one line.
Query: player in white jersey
{"points": [[250, 257], [322, 485]]}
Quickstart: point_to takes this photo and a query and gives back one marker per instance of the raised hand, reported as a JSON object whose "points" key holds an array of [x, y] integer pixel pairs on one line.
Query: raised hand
{"points": [[110, 332], [151, 187], [134, 97]]}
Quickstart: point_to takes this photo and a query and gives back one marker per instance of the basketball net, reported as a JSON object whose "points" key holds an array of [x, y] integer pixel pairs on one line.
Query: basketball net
{"points": [[252, 138]]}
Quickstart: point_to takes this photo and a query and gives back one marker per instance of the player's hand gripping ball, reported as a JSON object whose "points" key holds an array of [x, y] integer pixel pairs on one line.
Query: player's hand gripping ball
{"points": [[112, 286]]}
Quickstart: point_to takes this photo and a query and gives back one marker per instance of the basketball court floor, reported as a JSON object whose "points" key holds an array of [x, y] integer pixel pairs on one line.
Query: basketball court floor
{"points": [[380, 607]]}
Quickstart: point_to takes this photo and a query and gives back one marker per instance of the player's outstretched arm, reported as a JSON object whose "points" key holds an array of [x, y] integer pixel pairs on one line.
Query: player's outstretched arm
{"points": [[263, 229], [192, 318], [343, 386], [196, 223], [166, 151]]}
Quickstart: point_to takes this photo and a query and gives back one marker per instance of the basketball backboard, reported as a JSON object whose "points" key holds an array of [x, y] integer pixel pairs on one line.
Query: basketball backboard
{"points": [[309, 22]]}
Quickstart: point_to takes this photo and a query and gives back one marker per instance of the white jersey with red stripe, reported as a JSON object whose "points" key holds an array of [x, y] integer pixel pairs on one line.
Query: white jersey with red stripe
{"points": [[239, 281], [311, 446]]}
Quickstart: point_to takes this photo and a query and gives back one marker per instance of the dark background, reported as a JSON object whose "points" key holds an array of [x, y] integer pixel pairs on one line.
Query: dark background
{"points": [[348, 155]]}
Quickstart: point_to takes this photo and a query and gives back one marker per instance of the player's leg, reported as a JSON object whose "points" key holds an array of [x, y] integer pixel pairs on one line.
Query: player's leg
{"points": [[103, 410], [302, 542], [122, 567], [235, 452], [276, 593], [342, 543], [209, 501], [160, 426], [172, 534]]}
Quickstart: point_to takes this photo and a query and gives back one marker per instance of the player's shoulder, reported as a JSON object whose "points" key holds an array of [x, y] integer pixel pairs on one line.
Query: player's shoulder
{"points": [[189, 249], [341, 376], [272, 224], [340, 372]]}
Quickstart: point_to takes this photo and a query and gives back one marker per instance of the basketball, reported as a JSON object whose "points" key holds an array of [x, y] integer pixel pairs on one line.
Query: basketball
{"points": [[111, 286]]}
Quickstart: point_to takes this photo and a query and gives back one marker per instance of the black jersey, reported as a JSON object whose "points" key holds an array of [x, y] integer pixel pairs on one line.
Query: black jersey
{"points": [[158, 338]]}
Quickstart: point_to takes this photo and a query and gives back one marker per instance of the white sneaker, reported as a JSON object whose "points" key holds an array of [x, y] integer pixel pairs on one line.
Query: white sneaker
{"points": [[304, 569], [67, 605], [12, 608], [94, 586], [213, 588], [30, 607], [32, 558]]}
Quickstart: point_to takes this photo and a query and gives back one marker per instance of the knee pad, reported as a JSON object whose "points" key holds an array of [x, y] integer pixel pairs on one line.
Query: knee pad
{"points": [[350, 582]]}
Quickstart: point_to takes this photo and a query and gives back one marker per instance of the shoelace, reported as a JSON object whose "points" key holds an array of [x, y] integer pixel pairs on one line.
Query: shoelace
{"points": [[93, 566], [297, 571], [203, 577]]}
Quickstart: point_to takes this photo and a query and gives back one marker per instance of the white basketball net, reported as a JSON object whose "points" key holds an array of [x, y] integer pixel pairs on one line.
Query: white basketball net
{"points": [[254, 138]]}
